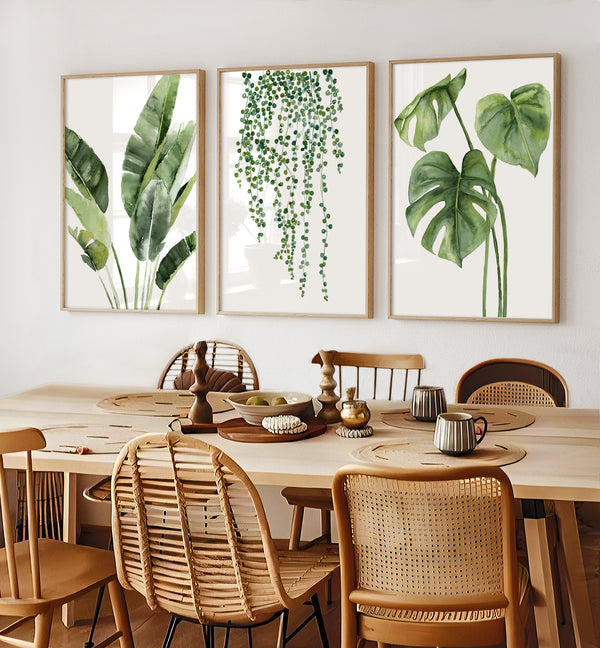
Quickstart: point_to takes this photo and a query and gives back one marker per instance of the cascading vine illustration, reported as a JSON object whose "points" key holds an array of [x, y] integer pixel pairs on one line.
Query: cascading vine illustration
{"points": [[514, 130], [288, 135], [153, 191]]}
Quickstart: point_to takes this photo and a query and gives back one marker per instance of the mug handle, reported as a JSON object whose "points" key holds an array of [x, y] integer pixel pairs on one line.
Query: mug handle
{"points": [[481, 418]]}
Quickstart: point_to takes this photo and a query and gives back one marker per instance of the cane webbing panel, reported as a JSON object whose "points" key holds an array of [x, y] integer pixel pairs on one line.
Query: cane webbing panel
{"points": [[511, 393], [426, 538]]}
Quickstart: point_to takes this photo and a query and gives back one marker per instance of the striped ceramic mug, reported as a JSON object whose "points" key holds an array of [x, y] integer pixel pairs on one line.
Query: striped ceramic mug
{"points": [[455, 433], [427, 402]]}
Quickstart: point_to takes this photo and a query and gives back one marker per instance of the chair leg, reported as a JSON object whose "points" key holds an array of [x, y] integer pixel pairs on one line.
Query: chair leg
{"points": [[296, 529], [319, 617], [119, 606], [43, 625], [90, 642], [227, 630], [282, 636], [249, 637], [173, 623]]}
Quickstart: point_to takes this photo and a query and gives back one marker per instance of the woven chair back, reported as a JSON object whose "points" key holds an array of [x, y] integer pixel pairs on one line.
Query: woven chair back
{"points": [[511, 393], [219, 355], [188, 528], [513, 370], [376, 375], [427, 541], [26, 584]]}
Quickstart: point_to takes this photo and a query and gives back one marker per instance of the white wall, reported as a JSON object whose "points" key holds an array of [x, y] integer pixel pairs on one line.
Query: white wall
{"points": [[42, 39]]}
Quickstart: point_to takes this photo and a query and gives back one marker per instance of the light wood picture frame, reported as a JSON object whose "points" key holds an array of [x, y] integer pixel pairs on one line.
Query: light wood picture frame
{"points": [[132, 179], [474, 188], [296, 190]]}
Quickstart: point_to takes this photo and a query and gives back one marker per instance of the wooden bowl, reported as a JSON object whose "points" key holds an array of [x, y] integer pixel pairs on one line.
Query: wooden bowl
{"points": [[254, 414]]}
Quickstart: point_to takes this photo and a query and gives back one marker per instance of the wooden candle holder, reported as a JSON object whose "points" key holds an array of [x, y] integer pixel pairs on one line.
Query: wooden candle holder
{"points": [[329, 412], [201, 411]]}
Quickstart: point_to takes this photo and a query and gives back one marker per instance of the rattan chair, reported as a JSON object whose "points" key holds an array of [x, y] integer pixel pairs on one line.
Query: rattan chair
{"points": [[191, 535], [377, 376], [39, 574], [221, 355], [514, 382], [428, 557]]}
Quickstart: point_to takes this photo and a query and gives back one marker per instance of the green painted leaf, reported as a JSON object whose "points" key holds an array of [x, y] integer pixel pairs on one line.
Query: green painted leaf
{"points": [[173, 166], [149, 132], [434, 179], [174, 260], [151, 221], [428, 109], [95, 254], [516, 130], [86, 169], [181, 197], [88, 212]]}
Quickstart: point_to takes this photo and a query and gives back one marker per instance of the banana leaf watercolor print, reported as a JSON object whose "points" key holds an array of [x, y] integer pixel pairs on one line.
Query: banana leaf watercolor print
{"points": [[133, 192], [474, 188], [295, 177]]}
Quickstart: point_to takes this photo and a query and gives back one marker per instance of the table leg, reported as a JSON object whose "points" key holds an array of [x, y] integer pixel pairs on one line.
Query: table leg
{"points": [[579, 600], [540, 572], [69, 533]]}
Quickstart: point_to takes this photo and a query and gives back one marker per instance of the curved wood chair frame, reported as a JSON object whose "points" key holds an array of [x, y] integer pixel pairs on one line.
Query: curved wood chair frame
{"points": [[513, 370], [219, 355], [38, 575], [191, 535], [428, 557]]}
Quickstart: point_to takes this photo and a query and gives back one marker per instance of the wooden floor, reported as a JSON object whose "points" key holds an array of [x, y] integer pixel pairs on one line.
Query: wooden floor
{"points": [[149, 628]]}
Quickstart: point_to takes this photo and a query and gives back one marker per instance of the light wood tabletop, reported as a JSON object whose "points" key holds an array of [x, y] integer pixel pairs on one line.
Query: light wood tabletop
{"points": [[562, 464]]}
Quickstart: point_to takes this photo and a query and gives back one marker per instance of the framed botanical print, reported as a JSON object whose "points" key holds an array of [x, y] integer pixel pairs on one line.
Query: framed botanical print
{"points": [[474, 188], [296, 190], [133, 192]]}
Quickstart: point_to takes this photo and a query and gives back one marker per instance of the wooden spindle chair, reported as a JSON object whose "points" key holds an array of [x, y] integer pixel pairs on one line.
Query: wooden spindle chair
{"points": [[38, 575], [375, 373]]}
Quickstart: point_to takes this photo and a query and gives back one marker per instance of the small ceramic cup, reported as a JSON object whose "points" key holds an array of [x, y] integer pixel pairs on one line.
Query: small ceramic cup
{"points": [[427, 402], [455, 433]]}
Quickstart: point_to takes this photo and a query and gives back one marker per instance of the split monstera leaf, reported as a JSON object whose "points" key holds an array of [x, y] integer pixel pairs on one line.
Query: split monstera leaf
{"points": [[461, 206]]}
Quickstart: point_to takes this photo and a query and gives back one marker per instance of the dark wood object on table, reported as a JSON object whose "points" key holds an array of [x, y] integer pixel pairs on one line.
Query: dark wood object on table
{"points": [[238, 430], [201, 411], [328, 398]]}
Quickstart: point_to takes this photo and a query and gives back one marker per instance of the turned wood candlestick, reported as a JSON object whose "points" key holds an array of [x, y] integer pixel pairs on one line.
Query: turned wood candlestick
{"points": [[329, 412], [201, 411]]}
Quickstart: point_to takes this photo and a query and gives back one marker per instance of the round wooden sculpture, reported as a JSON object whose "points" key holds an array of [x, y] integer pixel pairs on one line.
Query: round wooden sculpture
{"points": [[328, 398]]}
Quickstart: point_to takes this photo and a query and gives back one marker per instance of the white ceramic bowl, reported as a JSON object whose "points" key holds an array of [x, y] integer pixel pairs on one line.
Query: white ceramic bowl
{"points": [[254, 414]]}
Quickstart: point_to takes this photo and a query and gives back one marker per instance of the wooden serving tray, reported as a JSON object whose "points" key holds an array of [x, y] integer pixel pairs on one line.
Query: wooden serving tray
{"points": [[238, 430]]}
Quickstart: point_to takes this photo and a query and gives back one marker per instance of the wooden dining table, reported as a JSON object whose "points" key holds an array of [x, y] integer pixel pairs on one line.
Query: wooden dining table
{"points": [[561, 466]]}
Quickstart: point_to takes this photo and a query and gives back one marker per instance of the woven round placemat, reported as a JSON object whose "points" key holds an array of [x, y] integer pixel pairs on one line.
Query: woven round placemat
{"points": [[97, 438], [418, 453], [499, 419], [161, 402]]}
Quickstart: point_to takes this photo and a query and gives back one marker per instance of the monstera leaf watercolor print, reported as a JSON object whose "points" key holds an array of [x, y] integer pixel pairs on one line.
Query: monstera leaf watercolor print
{"points": [[132, 202], [474, 209]]}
